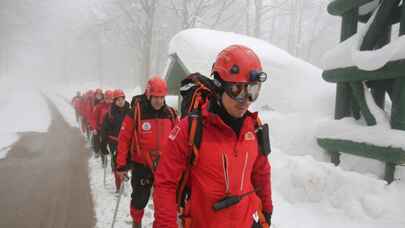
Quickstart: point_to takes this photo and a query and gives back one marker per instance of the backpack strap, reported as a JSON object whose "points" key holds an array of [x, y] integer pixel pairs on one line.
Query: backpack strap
{"points": [[194, 135], [136, 127], [173, 116]]}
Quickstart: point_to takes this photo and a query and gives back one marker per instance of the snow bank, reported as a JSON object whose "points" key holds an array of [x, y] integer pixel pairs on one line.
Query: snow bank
{"points": [[22, 109], [291, 83], [6, 139], [321, 195], [347, 53]]}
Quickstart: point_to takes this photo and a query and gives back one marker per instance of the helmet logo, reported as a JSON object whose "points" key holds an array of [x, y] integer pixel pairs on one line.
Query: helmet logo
{"points": [[235, 69]]}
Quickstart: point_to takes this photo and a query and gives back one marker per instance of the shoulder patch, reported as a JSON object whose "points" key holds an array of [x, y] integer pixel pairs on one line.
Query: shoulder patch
{"points": [[249, 136]]}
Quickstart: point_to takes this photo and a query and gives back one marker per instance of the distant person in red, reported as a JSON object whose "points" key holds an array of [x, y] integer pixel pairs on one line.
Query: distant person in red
{"points": [[99, 112], [98, 96], [142, 138], [85, 111], [111, 128], [230, 164], [76, 105]]}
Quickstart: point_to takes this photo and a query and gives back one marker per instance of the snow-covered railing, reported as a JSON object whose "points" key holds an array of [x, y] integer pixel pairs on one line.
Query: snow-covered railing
{"points": [[367, 62]]}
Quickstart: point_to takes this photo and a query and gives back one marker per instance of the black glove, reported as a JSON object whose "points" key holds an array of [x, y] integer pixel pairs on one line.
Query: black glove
{"points": [[267, 216]]}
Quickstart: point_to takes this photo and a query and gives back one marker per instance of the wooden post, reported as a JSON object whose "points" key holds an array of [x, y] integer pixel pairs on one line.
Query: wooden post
{"points": [[398, 95], [378, 91], [389, 172], [349, 28], [334, 157]]}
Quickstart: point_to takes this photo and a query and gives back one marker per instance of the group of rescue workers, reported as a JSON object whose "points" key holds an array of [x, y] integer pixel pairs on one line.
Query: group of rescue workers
{"points": [[209, 168]]}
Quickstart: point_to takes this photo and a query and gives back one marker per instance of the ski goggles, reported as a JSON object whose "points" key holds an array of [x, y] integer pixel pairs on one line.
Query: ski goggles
{"points": [[243, 91]]}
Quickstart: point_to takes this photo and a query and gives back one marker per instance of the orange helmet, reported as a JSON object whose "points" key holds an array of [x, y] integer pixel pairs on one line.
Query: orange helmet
{"points": [[238, 64], [156, 86], [108, 94], [89, 93], [118, 93]]}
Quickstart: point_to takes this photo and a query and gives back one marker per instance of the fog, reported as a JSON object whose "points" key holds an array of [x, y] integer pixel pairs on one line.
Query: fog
{"points": [[119, 43]]}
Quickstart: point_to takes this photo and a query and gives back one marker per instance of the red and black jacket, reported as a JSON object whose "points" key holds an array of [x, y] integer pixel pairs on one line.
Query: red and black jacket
{"points": [[112, 124], [143, 134]]}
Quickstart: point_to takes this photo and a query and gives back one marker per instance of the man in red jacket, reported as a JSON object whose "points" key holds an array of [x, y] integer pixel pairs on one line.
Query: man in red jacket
{"points": [[85, 110], [229, 161], [100, 110], [111, 128], [76, 105], [144, 134]]}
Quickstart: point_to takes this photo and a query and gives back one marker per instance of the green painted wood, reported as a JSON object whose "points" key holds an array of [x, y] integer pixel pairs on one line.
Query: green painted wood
{"points": [[394, 19], [343, 92], [385, 154], [175, 73], [389, 172], [343, 101], [340, 7], [379, 96], [380, 24], [355, 110], [398, 105], [358, 94], [398, 93], [391, 70], [334, 157]]}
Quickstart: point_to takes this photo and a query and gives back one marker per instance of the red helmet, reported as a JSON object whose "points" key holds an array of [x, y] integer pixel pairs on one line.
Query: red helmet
{"points": [[238, 64], [89, 93], [156, 86], [118, 93], [108, 94]]}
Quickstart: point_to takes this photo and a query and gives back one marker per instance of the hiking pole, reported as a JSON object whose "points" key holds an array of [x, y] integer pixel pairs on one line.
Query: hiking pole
{"points": [[118, 200]]}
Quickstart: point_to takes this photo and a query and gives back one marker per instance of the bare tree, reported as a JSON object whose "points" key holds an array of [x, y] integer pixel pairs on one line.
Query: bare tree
{"points": [[208, 12]]}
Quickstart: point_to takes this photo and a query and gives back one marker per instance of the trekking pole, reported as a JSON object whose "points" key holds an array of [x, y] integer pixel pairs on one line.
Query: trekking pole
{"points": [[118, 200]]}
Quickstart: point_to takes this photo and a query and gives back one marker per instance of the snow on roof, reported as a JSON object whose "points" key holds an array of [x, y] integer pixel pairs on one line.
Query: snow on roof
{"points": [[347, 53], [293, 84]]}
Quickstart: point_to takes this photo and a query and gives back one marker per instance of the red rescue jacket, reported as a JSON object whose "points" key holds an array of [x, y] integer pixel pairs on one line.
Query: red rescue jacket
{"points": [[99, 113], [153, 131], [226, 163], [76, 102]]}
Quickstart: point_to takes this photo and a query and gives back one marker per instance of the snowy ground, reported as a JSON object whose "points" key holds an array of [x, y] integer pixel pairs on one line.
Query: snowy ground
{"points": [[22, 109]]}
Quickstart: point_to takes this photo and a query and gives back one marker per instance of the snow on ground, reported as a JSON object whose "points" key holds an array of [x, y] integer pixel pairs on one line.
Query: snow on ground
{"points": [[105, 199], [321, 195], [22, 109]]}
